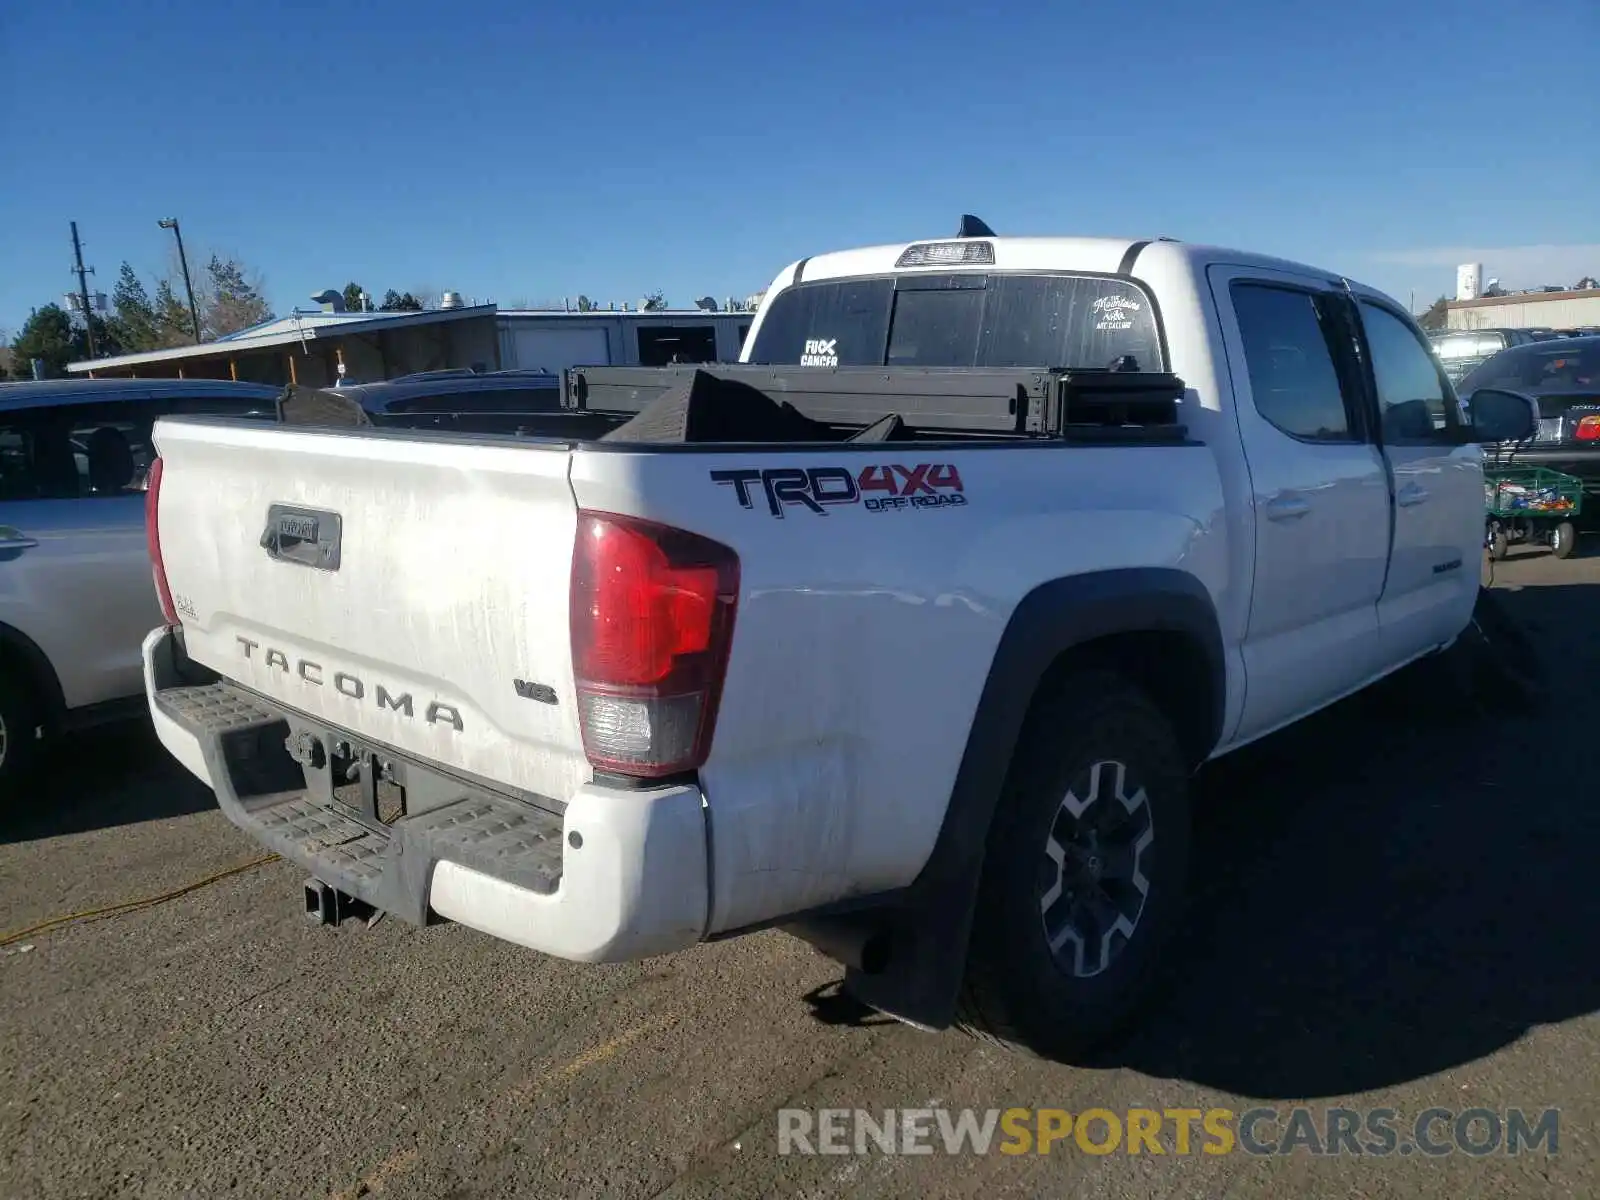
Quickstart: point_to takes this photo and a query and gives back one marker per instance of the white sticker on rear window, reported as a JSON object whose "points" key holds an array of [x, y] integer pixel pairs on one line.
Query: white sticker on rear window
{"points": [[821, 352], [1115, 312]]}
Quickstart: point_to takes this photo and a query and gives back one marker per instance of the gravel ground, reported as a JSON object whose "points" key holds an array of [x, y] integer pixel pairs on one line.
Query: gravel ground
{"points": [[1396, 908]]}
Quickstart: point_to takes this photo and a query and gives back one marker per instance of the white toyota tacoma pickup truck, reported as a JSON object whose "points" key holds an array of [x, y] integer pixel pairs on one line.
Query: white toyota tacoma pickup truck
{"points": [[904, 635]]}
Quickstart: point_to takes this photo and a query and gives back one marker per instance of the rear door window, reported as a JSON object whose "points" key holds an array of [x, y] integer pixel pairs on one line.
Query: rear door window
{"points": [[1289, 337], [963, 320], [36, 461], [112, 456], [40, 459], [111, 442]]}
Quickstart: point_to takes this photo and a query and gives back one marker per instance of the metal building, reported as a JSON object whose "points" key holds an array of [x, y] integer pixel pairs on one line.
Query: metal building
{"points": [[320, 348], [1526, 310]]}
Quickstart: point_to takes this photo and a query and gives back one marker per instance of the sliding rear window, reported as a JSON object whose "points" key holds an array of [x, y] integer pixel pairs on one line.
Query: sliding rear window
{"points": [[962, 320]]}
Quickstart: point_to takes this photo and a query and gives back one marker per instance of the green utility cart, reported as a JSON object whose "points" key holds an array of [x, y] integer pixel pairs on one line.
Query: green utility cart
{"points": [[1531, 504]]}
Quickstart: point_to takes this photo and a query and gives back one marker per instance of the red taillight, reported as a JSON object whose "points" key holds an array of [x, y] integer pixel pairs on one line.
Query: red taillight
{"points": [[1588, 429], [652, 622], [152, 541]]}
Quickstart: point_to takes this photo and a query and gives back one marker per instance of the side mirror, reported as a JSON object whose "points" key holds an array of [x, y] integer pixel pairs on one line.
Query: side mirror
{"points": [[1499, 415]]}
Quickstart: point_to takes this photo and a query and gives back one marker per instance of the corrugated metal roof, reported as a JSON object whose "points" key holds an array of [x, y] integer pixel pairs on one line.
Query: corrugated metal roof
{"points": [[286, 331], [311, 317]]}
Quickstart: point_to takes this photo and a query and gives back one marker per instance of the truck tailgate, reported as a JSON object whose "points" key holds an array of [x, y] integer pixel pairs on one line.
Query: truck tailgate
{"points": [[413, 591]]}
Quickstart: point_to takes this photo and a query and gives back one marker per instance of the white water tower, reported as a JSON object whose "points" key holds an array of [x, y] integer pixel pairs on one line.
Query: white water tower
{"points": [[1469, 281]]}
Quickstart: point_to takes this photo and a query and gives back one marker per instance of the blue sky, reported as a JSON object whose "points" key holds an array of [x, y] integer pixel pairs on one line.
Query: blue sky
{"points": [[525, 152]]}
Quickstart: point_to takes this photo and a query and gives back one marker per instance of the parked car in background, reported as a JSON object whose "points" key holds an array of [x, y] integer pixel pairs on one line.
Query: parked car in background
{"points": [[1564, 376], [1462, 349], [76, 597], [462, 400]]}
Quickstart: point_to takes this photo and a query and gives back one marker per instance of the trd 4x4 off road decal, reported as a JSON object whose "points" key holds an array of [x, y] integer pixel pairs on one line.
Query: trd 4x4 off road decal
{"points": [[876, 488]]}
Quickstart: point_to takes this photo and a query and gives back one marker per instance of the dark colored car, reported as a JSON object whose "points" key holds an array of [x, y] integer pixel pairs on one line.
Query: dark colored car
{"points": [[464, 401], [1564, 376]]}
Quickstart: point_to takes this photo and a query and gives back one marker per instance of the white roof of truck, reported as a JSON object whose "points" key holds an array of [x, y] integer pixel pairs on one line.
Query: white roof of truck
{"points": [[1098, 254]]}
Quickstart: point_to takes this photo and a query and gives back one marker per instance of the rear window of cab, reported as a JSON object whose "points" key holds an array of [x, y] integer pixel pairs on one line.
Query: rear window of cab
{"points": [[963, 320]]}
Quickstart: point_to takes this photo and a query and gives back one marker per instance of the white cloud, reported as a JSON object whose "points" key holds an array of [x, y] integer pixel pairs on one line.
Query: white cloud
{"points": [[1513, 266]]}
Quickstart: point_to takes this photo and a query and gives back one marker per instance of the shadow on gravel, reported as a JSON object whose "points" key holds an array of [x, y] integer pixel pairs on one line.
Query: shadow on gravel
{"points": [[114, 775], [830, 1004], [1394, 887]]}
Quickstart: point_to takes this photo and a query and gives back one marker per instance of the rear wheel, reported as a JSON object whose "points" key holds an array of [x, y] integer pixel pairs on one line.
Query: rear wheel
{"points": [[1084, 872], [1563, 540], [19, 723]]}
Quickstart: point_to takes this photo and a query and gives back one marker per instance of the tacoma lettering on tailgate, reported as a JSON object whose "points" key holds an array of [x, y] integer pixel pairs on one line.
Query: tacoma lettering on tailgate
{"points": [[877, 488], [351, 686]]}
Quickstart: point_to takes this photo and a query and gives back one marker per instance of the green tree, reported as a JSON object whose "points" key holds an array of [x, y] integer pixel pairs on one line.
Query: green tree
{"points": [[107, 341], [654, 302], [352, 297], [47, 335], [394, 301], [232, 301], [134, 324], [50, 335], [1436, 315], [173, 326]]}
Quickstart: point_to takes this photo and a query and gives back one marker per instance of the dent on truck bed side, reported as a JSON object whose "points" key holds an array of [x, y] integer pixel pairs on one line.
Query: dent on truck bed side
{"points": [[930, 923]]}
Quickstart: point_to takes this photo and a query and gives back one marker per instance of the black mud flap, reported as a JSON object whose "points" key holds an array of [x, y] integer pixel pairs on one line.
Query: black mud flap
{"points": [[1497, 660]]}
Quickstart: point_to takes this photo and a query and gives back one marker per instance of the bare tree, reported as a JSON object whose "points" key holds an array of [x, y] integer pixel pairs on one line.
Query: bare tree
{"points": [[235, 298]]}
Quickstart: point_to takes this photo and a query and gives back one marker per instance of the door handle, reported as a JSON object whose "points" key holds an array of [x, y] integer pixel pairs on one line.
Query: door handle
{"points": [[1287, 508], [1411, 494]]}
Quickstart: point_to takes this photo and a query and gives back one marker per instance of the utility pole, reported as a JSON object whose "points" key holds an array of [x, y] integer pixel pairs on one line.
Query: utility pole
{"points": [[83, 288], [183, 261]]}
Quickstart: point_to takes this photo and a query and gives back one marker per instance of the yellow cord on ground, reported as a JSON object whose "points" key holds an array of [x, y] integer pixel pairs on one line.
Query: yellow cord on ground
{"points": [[127, 906]]}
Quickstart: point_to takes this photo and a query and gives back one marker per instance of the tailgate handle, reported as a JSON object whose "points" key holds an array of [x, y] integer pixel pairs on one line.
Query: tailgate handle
{"points": [[307, 537]]}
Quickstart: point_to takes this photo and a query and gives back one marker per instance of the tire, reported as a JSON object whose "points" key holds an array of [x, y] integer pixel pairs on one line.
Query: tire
{"points": [[1099, 738], [1563, 540], [1499, 545], [19, 748]]}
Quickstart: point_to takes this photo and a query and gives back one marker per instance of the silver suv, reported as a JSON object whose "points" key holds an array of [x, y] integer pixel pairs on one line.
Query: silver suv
{"points": [[76, 596]]}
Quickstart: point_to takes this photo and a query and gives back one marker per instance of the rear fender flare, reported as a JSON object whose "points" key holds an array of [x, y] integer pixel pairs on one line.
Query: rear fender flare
{"points": [[929, 925]]}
